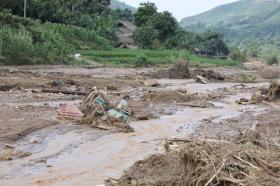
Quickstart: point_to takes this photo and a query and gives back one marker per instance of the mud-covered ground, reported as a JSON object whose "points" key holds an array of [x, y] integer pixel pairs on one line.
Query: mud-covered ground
{"points": [[37, 148]]}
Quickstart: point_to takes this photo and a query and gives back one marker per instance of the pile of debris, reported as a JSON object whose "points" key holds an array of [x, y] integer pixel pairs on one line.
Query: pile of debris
{"points": [[68, 86], [6, 87], [209, 74], [270, 94], [248, 159], [203, 76], [181, 70], [99, 112]]}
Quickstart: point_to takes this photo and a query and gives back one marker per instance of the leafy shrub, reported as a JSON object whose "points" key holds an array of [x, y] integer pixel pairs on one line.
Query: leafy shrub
{"points": [[271, 60], [142, 61], [246, 78], [236, 55], [145, 37]]}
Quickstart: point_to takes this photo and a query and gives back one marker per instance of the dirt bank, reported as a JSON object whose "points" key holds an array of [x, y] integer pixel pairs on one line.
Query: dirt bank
{"points": [[250, 157]]}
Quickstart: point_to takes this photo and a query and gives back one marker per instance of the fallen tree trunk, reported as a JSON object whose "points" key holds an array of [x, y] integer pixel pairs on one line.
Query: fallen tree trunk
{"points": [[64, 92], [192, 105]]}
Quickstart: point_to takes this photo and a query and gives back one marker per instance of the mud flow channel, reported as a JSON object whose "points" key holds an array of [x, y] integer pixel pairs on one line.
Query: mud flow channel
{"points": [[73, 155]]}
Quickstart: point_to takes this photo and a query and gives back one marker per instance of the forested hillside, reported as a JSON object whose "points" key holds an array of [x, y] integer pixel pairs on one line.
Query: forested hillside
{"points": [[53, 29], [115, 4], [245, 23]]}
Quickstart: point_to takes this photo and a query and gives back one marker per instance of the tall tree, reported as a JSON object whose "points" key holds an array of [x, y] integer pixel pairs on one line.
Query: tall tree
{"points": [[166, 25], [145, 13]]}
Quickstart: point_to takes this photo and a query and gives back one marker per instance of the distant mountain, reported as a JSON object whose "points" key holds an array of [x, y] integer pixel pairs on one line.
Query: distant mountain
{"points": [[115, 4], [242, 21]]}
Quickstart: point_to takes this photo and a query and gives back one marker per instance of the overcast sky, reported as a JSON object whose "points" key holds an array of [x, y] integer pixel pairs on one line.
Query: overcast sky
{"points": [[182, 8]]}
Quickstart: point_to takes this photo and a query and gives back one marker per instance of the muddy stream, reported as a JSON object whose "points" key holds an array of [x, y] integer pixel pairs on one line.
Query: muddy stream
{"points": [[68, 155]]}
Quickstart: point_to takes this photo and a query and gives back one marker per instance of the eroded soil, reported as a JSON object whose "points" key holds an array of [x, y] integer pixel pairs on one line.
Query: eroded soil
{"points": [[39, 149]]}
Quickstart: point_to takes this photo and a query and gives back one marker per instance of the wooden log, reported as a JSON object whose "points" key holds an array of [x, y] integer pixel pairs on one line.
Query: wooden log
{"points": [[192, 105], [68, 92]]}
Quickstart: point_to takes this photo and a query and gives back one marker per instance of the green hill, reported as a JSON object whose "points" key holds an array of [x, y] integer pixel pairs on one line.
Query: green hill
{"points": [[115, 4], [243, 22]]}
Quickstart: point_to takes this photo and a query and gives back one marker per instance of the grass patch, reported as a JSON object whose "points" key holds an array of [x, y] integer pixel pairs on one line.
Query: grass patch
{"points": [[130, 57], [245, 78], [78, 62]]}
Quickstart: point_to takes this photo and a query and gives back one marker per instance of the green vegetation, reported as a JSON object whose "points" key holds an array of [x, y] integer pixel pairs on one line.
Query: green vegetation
{"points": [[115, 4], [26, 41], [160, 30], [144, 57], [271, 60], [53, 29], [238, 55], [246, 78], [90, 14], [245, 24]]}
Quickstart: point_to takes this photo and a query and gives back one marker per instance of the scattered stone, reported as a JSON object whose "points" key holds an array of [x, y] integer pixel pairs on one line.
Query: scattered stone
{"points": [[111, 87], [11, 153], [243, 101], [121, 76], [142, 117], [6, 88], [57, 83], [151, 83], [183, 91], [10, 146], [36, 140]]}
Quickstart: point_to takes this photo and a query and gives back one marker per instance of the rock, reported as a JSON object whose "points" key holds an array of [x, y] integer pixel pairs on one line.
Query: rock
{"points": [[6, 88], [9, 146], [200, 79], [21, 154], [121, 76], [142, 117], [243, 101], [57, 83], [111, 87], [151, 83], [183, 91], [35, 139], [35, 91]]}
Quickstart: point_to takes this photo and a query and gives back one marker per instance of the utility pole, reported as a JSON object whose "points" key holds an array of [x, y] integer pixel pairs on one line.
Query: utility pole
{"points": [[24, 11], [1, 47]]}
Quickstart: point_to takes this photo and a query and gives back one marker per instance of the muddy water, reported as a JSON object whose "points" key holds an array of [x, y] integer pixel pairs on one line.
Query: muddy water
{"points": [[193, 87], [86, 157]]}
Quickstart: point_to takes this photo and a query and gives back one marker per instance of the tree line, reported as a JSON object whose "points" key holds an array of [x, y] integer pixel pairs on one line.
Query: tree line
{"points": [[161, 30]]}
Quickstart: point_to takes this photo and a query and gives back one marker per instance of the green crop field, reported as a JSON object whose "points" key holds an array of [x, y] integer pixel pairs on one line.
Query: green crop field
{"points": [[130, 57]]}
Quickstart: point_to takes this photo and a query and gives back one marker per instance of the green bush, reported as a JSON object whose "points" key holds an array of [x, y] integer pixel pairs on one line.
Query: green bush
{"points": [[271, 60], [142, 61], [246, 78], [236, 55], [145, 37]]}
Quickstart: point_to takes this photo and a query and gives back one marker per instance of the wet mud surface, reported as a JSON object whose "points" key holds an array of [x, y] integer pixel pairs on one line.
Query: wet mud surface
{"points": [[36, 148]]}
